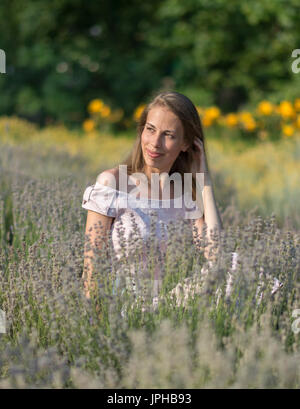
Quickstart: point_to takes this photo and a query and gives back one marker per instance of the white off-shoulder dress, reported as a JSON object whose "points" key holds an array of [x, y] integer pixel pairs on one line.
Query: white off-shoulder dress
{"points": [[126, 208]]}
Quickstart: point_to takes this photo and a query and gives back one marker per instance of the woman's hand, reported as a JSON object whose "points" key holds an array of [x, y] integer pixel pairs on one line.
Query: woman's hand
{"points": [[199, 157]]}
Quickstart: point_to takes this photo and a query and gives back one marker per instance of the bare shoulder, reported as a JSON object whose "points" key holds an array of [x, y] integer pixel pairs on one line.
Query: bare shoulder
{"points": [[109, 177]]}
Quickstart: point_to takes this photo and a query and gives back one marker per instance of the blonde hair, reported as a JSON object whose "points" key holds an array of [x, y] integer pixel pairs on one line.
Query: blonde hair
{"points": [[186, 111]]}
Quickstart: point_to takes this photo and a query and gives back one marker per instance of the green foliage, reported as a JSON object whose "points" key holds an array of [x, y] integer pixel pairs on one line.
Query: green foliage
{"points": [[62, 54]]}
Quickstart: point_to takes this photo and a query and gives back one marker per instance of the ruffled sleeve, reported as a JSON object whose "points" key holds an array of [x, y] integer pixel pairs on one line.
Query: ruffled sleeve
{"points": [[101, 199]]}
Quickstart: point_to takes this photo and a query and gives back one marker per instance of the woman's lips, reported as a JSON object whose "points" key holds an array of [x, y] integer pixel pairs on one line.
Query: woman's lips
{"points": [[153, 155]]}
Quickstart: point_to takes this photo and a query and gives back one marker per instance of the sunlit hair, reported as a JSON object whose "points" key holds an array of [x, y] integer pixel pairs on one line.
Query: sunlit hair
{"points": [[186, 111]]}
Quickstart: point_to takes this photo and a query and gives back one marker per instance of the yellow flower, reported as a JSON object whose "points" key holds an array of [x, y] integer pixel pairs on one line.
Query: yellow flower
{"points": [[297, 104], [288, 130], [286, 109], [265, 108], [245, 116], [247, 120], [88, 125], [209, 115], [206, 121], [212, 113], [105, 111], [95, 106], [231, 120], [250, 125], [138, 112]]}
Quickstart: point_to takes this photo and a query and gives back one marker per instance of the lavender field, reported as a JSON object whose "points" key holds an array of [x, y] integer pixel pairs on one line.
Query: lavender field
{"points": [[230, 324]]}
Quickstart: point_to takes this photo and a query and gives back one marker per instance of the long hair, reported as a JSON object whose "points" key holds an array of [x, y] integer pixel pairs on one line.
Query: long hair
{"points": [[186, 111]]}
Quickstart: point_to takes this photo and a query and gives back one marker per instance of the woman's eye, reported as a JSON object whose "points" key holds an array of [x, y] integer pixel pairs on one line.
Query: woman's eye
{"points": [[150, 129], [171, 136]]}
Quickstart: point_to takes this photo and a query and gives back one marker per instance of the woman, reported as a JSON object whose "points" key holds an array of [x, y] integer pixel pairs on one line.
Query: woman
{"points": [[169, 142]]}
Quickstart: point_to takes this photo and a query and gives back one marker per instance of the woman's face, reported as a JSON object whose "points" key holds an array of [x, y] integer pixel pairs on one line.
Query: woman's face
{"points": [[163, 133]]}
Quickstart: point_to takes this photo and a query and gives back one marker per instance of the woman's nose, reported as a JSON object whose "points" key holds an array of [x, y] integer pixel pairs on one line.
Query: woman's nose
{"points": [[156, 140]]}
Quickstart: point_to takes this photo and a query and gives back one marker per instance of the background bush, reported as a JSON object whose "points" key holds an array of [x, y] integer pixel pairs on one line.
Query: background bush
{"points": [[62, 54]]}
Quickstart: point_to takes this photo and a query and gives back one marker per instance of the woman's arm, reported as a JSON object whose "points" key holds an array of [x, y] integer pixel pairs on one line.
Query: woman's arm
{"points": [[102, 222], [96, 242], [211, 213]]}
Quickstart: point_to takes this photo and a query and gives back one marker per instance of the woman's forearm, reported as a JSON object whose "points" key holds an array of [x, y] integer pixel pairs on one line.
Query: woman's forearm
{"points": [[96, 236], [211, 214], [87, 273]]}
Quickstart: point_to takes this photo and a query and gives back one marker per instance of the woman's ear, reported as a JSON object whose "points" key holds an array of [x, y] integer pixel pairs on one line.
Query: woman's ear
{"points": [[185, 148]]}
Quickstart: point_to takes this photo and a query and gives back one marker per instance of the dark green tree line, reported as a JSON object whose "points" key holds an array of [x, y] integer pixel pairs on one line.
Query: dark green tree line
{"points": [[62, 53]]}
